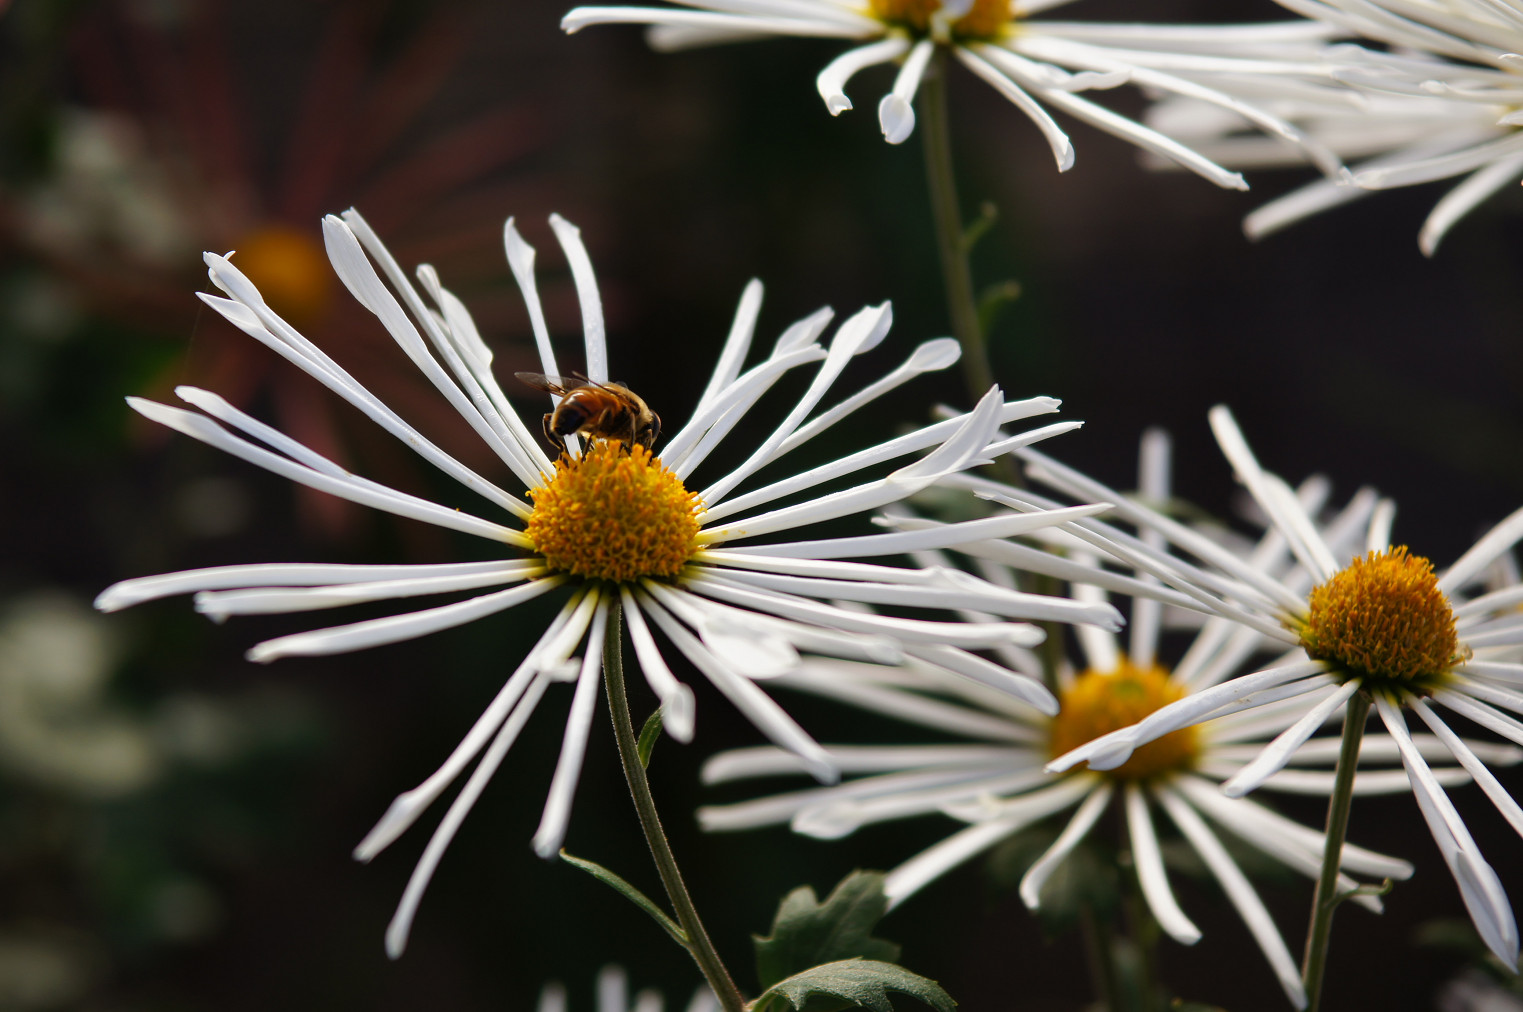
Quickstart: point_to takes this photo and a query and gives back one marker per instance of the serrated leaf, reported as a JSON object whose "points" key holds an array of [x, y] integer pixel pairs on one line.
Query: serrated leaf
{"points": [[635, 896], [648, 736], [806, 932], [853, 983]]}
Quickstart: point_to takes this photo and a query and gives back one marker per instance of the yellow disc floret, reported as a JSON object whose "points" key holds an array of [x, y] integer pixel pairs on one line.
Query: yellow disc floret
{"points": [[1099, 702], [1384, 618], [614, 513], [984, 20]]}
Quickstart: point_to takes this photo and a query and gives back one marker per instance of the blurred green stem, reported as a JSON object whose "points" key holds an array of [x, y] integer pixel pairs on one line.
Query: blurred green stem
{"points": [[1098, 953], [698, 943], [951, 237], [1326, 899]]}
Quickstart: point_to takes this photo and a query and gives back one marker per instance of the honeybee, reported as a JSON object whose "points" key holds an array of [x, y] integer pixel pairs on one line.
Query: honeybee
{"points": [[597, 410]]}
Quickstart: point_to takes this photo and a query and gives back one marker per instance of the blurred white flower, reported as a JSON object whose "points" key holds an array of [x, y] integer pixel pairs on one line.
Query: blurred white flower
{"points": [[613, 996], [1035, 63], [56, 726], [996, 781], [1439, 101], [1384, 624], [616, 529]]}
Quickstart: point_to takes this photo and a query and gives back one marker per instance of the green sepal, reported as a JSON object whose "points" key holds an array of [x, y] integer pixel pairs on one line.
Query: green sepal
{"points": [[807, 933], [648, 735], [632, 894], [852, 983]]}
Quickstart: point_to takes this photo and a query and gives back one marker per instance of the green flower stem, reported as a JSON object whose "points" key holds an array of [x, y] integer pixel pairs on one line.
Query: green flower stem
{"points": [[1326, 899], [1098, 955], [953, 244], [951, 238], [698, 943]]}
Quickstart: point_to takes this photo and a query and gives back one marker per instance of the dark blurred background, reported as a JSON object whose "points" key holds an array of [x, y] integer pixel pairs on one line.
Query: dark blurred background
{"points": [[175, 823]]}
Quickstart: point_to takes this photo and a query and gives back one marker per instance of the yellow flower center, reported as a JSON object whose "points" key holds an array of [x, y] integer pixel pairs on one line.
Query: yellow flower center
{"points": [[289, 268], [1383, 619], [614, 513], [984, 20], [1100, 702]]}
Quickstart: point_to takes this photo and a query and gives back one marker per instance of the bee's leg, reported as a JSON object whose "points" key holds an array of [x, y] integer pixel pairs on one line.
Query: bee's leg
{"points": [[553, 437]]}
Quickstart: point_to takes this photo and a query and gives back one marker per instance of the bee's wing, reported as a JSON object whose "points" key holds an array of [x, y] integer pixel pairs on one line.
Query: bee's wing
{"points": [[549, 384]]}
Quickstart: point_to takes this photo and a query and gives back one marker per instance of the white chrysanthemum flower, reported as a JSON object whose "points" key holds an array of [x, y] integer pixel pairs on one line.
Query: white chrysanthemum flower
{"points": [[997, 782], [1385, 624], [615, 526], [1036, 64], [613, 996], [1442, 103]]}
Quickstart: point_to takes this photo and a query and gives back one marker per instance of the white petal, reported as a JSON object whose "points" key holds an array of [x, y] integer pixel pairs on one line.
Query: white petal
{"points": [[1073, 834], [594, 335], [401, 922], [929, 865], [832, 81], [736, 346], [557, 814], [1277, 753], [756, 705], [1239, 892], [395, 628], [1150, 870], [678, 710], [1057, 140], [895, 113]]}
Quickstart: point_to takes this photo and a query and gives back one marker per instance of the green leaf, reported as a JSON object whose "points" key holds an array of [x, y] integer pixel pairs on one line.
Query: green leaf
{"points": [[648, 735], [853, 983], [806, 932], [634, 895]]}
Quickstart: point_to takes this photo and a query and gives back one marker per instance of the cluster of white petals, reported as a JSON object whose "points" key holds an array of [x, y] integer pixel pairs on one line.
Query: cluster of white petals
{"points": [[1036, 63], [739, 612], [992, 775], [1430, 92], [1484, 688]]}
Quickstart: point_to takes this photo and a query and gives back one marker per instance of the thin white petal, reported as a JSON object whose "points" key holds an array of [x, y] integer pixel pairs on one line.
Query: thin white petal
{"points": [[737, 345], [973, 58], [1073, 834], [568, 768], [1150, 870], [1239, 892], [1273, 757], [401, 922], [895, 113], [1461, 200], [593, 332], [929, 865], [678, 710], [832, 81], [756, 705], [407, 806], [394, 628]]}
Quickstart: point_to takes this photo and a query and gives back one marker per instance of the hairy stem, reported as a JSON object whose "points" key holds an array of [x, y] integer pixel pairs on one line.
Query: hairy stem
{"points": [[698, 943]]}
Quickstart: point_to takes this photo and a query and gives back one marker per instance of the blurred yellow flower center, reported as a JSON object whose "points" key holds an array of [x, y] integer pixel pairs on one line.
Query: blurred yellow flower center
{"points": [[984, 19], [1100, 702], [1383, 618], [614, 513], [290, 270]]}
